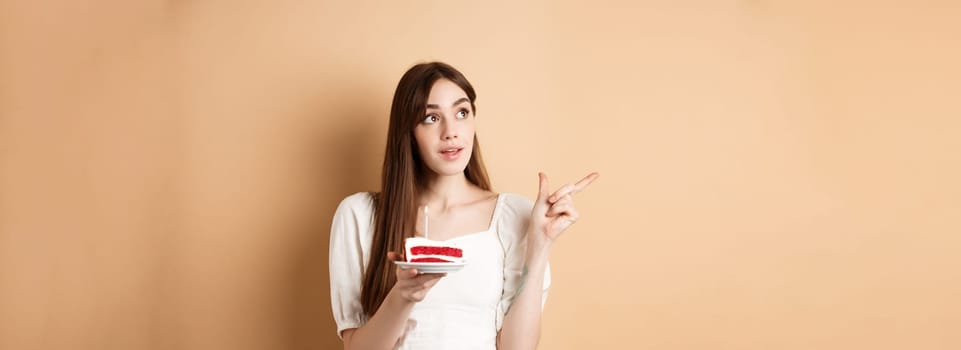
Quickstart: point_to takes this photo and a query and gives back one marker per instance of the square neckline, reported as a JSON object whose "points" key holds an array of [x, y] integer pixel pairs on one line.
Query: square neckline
{"points": [[490, 226]]}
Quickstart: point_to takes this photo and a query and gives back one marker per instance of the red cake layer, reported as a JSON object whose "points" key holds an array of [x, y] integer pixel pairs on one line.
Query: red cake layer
{"points": [[427, 250], [429, 260]]}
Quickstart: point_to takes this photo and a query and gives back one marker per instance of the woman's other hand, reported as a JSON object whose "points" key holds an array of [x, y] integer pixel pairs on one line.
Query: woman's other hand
{"points": [[554, 212]]}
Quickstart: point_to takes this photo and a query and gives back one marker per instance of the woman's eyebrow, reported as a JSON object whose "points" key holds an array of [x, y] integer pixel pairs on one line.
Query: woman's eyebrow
{"points": [[459, 101]]}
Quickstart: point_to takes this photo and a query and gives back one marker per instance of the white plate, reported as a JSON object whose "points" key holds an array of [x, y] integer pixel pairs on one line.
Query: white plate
{"points": [[432, 267]]}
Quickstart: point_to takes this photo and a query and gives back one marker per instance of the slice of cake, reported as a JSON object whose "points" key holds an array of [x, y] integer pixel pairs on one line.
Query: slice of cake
{"points": [[421, 250]]}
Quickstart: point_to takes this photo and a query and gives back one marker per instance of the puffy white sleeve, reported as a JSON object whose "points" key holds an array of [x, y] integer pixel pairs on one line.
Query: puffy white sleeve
{"points": [[512, 230], [350, 236]]}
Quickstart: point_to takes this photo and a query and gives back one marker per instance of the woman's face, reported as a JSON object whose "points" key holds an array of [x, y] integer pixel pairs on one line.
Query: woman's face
{"points": [[445, 134]]}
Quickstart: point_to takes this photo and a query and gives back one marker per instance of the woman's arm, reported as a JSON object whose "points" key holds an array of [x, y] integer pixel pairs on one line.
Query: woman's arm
{"points": [[550, 216], [522, 325], [389, 322]]}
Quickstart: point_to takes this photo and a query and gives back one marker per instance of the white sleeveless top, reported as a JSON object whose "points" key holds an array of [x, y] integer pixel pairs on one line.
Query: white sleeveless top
{"points": [[465, 309]]}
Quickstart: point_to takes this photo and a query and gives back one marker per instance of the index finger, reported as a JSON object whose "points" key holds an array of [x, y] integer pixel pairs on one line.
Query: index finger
{"points": [[581, 185]]}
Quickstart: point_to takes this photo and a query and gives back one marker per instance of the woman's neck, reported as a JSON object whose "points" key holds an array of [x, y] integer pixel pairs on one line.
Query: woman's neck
{"points": [[445, 192]]}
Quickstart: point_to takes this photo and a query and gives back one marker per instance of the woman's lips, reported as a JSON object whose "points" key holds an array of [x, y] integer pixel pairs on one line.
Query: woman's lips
{"points": [[451, 155]]}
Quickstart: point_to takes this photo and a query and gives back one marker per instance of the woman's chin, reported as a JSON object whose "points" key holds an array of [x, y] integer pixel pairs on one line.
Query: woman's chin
{"points": [[453, 172], [449, 170]]}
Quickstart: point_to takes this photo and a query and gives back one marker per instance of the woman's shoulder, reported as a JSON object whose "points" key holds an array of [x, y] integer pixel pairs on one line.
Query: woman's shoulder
{"points": [[360, 202], [514, 199], [515, 205], [513, 216]]}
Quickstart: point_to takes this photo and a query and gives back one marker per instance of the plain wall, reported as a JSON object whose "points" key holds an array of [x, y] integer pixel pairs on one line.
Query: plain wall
{"points": [[775, 174]]}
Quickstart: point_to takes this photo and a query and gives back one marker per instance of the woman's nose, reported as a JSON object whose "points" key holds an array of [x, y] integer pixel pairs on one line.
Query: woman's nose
{"points": [[450, 131]]}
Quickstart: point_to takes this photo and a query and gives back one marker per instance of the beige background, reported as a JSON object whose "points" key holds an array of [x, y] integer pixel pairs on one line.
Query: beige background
{"points": [[775, 174]]}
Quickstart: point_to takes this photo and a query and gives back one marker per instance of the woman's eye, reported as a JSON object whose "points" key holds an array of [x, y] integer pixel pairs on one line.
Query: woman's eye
{"points": [[462, 114], [431, 119]]}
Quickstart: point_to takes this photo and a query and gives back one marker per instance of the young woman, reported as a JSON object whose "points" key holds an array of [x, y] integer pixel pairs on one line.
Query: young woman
{"points": [[433, 160]]}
